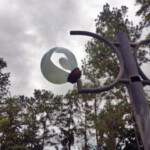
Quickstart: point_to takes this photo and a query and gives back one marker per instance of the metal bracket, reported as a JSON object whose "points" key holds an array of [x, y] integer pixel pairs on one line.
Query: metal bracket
{"points": [[110, 86], [134, 78]]}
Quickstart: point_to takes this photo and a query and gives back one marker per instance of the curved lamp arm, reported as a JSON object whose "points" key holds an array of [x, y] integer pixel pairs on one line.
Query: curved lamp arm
{"points": [[121, 64], [135, 56]]}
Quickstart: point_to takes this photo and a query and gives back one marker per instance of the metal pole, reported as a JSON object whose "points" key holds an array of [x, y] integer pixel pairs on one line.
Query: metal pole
{"points": [[135, 88]]}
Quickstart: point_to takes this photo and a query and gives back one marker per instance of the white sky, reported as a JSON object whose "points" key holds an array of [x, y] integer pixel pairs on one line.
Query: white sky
{"points": [[29, 28]]}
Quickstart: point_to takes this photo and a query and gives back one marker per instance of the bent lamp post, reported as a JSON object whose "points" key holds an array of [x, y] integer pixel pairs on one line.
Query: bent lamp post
{"points": [[130, 74]]}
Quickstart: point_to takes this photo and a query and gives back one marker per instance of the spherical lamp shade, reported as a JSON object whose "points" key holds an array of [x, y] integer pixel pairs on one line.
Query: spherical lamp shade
{"points": [[53, 73]]}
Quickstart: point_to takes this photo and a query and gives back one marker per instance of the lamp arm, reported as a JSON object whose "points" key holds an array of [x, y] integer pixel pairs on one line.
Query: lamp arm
{"points": [[121, 64], [135, 56]]}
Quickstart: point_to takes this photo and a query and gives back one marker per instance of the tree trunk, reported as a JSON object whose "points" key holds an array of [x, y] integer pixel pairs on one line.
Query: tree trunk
{"points": [[95, 112], [85, 131], [135, 132]]}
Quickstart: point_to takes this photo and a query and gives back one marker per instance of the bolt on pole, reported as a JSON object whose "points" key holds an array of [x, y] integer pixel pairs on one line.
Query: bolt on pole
{"points": [[137, 97]]}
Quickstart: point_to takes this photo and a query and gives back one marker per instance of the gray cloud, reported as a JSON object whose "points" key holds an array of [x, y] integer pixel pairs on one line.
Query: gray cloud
{"points": [[29, 28]]}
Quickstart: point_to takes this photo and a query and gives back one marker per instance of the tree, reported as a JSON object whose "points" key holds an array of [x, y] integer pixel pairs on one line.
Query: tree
{"points": [[116, 128], [39, 119], [11, 125], [4, 80], [85, 123], [101, 64], [144, 11], [61, 121], [26, 123], [66, 119]]}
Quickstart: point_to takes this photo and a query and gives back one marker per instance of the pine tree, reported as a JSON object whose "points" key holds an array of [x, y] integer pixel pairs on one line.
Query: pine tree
{"points": [[11, 124], [85, 124], [144, 11], [41, 112], [66, 119], [101, 66], [4, 80]]}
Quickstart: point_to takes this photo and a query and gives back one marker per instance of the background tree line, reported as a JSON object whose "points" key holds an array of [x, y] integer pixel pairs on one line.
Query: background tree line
{"points": [[88, 122]]}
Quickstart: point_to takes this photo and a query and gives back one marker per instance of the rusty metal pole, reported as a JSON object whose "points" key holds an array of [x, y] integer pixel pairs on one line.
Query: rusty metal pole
{"points": [[138, 100]]}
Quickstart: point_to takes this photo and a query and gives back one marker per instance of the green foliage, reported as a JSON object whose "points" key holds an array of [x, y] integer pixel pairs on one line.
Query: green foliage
{"points": [[25, 122], [10, 113], [101, 121], [4, 125], [101, 65], [65, 119], [4, 80], [144, 11], [85, 123], [101, 62], [41, 114], [111, 125]]}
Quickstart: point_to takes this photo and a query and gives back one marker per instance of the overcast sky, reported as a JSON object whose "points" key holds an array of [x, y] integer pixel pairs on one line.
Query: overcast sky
{"points": [[29, 28]]}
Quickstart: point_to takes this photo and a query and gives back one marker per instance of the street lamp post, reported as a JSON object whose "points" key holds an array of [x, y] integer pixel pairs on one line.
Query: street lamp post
{"points": [[138, 100], [134, 80]]}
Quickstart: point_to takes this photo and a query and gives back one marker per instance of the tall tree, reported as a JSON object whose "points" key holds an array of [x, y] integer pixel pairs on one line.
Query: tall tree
{"points": [[101, 64], [4, 79], [28, 123], [66, 119], [41, 112], [85, 123], [11, 124], [144, 11]]}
